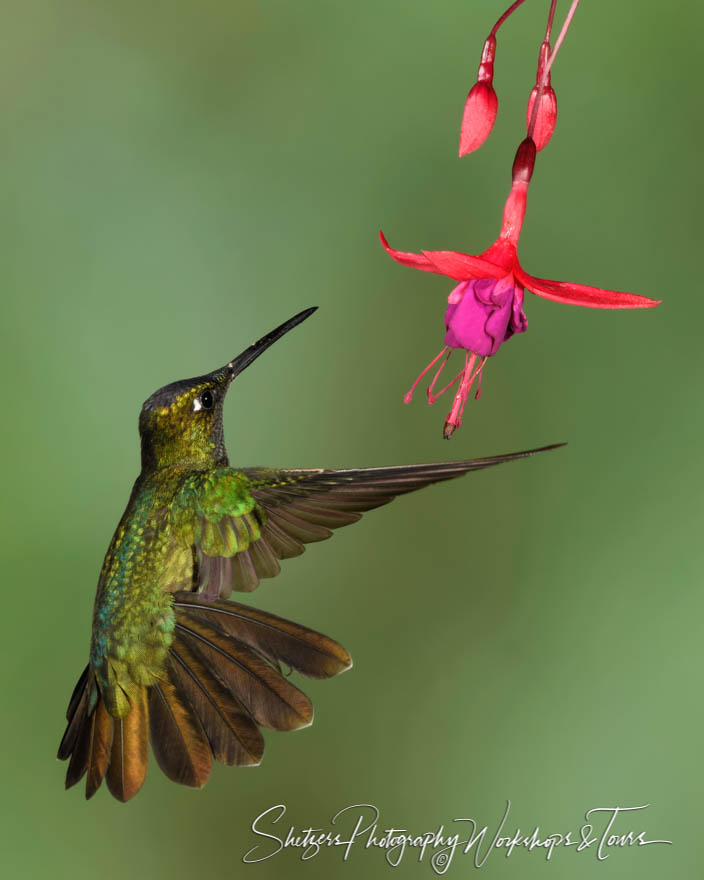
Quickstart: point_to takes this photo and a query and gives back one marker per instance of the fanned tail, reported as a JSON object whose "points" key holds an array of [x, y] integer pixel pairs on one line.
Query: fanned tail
{"points": [[102, 747], [222, 682]]}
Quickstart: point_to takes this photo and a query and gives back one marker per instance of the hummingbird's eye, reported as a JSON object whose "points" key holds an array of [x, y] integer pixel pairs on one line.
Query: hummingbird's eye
{"points": [[204, 400]]}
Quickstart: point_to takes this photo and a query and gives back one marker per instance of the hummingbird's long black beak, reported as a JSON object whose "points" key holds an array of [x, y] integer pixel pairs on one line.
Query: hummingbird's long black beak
{"points": [[242, 361]]}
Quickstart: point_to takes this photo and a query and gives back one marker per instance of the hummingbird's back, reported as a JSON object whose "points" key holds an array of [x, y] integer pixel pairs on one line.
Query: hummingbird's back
{"points": [[133, 618]]}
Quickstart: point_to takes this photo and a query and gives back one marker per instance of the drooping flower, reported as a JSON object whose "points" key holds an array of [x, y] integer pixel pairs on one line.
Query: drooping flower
{"points": [[486, 307]]}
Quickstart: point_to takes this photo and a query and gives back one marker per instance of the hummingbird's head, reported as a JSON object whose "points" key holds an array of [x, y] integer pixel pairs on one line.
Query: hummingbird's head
{"points": [[181, 423]]}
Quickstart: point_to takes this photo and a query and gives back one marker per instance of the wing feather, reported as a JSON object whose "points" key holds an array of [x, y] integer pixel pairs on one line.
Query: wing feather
{"points": [[257, 516]]}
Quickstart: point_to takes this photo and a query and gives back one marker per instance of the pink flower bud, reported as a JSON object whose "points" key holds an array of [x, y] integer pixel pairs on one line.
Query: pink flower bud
{"points": [[482, 105], [479, 117], [546, 116], [546, 113]]}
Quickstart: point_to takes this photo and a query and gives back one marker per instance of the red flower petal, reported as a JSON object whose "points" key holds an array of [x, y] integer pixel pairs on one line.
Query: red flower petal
{"points": [[463, 267], [582, 295], [405, 258], [460, 267]]}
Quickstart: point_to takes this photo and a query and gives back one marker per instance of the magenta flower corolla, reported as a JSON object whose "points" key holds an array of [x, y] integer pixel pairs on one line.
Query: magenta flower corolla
{"points": [[484, 313]]}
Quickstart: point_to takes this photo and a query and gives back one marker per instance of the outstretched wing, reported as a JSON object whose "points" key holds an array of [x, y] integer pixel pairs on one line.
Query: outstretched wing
{"points": [[241, 523]]}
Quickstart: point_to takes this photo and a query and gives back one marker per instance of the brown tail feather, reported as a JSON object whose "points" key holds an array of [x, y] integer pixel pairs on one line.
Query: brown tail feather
{"points": [[130, 748], [270, 698], [178, 741], [80, 750], [100, 749], [279, 640], [76, 714], [222, 681], [232, 732]]}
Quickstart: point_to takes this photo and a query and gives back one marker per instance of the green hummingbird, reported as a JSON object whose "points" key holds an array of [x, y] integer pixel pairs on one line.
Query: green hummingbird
{"points": [[172, 663]]}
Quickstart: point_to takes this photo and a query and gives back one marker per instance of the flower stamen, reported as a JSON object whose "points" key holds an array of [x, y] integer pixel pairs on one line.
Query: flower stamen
{"points": [[433, 397], [408, 396], [479, 374]]}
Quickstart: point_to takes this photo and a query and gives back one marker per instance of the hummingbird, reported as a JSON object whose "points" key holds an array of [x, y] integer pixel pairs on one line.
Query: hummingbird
{"points": [[173, 662]]}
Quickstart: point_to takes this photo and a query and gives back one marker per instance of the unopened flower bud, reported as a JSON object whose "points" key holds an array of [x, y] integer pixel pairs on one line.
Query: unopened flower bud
{"points": [[546, 113], [482, 105]]}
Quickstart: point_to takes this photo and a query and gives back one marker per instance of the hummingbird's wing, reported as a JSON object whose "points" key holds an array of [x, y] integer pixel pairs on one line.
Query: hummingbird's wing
{"points": [[240, 523]]}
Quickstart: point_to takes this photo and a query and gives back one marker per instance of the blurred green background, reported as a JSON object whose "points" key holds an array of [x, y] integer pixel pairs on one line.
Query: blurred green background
{"points": [[178, 178]]}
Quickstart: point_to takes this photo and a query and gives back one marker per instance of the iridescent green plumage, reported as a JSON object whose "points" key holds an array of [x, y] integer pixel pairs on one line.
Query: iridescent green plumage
{"points": [[170, 661]]}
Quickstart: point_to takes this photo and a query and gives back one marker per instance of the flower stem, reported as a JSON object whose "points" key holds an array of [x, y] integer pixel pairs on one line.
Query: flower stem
{"points": [[560, 38], [512, 8], [551, 17]]}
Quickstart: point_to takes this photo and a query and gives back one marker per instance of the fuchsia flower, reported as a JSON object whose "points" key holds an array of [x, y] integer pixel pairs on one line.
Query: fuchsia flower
{"points": [[486, 307]]}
